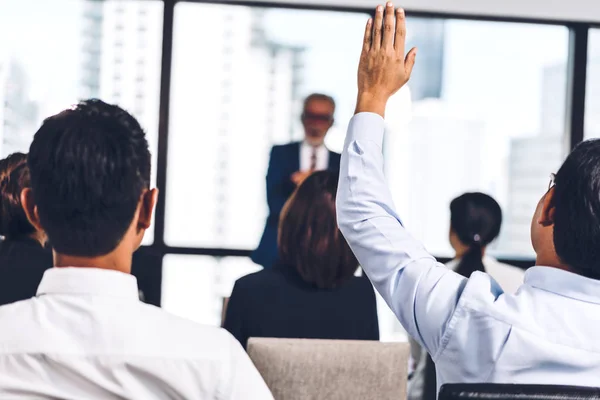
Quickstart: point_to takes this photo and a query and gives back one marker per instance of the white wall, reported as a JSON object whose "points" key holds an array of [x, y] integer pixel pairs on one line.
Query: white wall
{"points": [[560, 10]]}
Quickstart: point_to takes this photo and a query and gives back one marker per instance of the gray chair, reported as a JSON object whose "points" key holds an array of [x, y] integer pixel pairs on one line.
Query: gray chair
{"points": [[307, 369]]}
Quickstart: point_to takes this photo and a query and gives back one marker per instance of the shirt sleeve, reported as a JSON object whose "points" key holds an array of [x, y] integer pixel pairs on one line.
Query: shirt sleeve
{"points": [[420, 291]]}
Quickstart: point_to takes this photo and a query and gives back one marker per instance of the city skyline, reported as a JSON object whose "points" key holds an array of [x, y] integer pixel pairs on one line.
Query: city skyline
{"points": [[237, 80]]}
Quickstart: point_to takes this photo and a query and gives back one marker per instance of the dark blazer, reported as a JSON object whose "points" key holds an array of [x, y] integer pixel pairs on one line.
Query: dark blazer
{"points": [[22, 265], [284, 161], [278, 303]]}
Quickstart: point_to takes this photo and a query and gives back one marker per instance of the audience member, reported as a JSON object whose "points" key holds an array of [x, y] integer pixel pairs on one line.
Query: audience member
{"points": [[290, 164], [547, 332], [312, 292], [23, 258], [86, 334], [475, 222]]}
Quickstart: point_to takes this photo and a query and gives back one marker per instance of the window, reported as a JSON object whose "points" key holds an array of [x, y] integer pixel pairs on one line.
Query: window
{"points": [[592, 92], [217, 198], [479, 122], [195, 287], [36, 80]]}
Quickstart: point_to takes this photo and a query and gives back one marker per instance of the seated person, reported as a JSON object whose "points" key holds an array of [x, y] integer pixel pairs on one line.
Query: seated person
{"points": [[23, 258], [87, 335], [546, 333], [312, 292], [475, 222]]}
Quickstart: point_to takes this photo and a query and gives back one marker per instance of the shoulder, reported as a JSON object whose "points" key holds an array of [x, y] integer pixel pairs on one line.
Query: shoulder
{"points": [[509, 277], [282, 148], [361, 285], [334, 153], [186, 339], [259, 279]]}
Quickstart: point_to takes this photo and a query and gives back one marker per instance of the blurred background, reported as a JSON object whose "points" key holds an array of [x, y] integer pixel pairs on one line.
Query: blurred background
{"points": [[216, 85]]}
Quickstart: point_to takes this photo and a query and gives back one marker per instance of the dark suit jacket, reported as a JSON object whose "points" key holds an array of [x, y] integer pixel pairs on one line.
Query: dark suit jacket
{"points": [[278, 303], [284, 161], [22, 265]]}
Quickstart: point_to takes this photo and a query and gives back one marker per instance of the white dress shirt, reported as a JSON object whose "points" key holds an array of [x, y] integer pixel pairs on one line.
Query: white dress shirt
{"points": [[546, 333], [509, 278], [87, 336], [306, 150]]}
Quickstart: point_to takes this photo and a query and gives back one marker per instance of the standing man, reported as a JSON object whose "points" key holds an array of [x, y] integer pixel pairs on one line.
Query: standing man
{"points": [[291, 163]]}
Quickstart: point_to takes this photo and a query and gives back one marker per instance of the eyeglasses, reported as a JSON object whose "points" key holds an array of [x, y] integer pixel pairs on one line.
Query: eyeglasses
{"points": [[317, 117], [552, 182]]}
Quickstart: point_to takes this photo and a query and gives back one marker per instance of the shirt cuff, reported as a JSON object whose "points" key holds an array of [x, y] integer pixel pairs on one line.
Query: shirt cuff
{"points": [[367, 126]]}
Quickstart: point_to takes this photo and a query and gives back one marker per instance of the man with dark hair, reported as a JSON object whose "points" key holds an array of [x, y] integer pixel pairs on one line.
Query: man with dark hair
{"points": [[86, 334], [290, 164], [546, 333]]}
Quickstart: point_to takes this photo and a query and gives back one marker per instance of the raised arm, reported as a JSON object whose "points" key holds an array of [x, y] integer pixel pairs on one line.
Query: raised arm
{"points": [[422, 294]]}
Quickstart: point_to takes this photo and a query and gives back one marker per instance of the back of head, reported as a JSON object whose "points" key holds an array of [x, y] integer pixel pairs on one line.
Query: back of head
{"points": [[309, 238], [475, 219], [89, 166], [576, 203], [14, 176]]}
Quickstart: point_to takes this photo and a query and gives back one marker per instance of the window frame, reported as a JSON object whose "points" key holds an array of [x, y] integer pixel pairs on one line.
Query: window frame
{"points": [[574, 116]]}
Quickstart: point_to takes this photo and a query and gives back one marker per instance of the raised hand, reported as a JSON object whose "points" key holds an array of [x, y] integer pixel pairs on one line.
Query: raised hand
{"points": [[383, 68]]}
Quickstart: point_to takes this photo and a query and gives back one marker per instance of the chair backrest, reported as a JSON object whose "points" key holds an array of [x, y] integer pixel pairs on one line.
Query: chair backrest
{"points": [[306, 369], [490, 391]]}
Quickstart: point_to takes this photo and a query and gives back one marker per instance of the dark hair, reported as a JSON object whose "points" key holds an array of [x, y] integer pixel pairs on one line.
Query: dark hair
{"points": [[319, 96], [14, 177], [89, 166], [576, 203], [309, 238], [476, 219]]}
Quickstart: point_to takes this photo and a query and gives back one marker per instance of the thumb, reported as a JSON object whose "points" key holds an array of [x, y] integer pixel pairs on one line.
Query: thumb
{"points": [[409, 62]]}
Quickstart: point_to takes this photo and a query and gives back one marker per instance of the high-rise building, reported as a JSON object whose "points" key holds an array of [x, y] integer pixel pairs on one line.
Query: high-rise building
{"points": [[531, 161], [17, 112], [427, 35], [93, 15], [436, 157]]}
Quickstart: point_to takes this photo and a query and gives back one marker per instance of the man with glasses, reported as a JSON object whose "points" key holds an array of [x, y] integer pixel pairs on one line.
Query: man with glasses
{"points": [[546, 333], [290, 164]]}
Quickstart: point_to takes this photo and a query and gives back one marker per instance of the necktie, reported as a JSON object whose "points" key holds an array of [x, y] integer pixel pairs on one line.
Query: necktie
{"points": [[313, 159]]}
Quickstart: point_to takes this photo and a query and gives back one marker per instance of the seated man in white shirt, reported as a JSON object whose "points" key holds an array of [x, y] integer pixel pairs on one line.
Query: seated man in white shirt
{"points": [[86, 335], [546, 333]]}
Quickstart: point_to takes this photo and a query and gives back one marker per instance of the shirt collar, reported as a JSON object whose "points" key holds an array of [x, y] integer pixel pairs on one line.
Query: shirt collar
{"points": [[310, 146], [88, 281], [564, 283]]}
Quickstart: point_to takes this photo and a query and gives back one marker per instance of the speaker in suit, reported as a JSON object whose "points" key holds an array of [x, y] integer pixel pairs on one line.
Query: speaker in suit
{"points": [[284, 162], [291, 163]]}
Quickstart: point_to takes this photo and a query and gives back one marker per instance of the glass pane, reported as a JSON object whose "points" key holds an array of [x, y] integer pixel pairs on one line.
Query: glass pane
{"points": [[195, 287], [490, 119], [239, 76], [106, 49], [592, 92]]}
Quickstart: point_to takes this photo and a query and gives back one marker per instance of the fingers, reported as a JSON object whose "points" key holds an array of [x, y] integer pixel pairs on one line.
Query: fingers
{"points": [[377, 28], [388, 27], [409, 62], [399, 43], [368, 36]]}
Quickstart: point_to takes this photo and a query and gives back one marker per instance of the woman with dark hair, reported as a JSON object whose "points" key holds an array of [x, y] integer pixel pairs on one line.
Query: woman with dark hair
{"points": [[23, 258], [312, 292], [475, 222]]}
